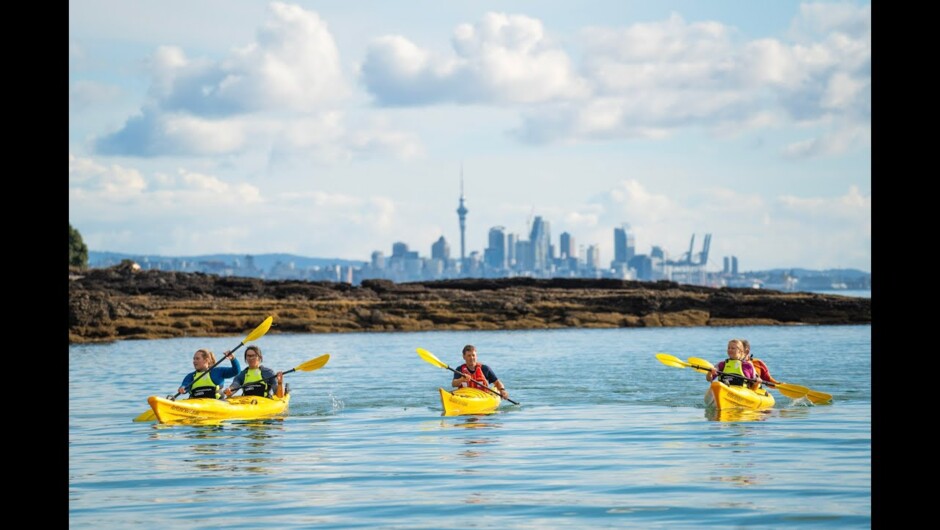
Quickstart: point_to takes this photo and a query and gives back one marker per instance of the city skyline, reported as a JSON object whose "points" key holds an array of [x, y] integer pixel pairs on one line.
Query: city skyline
{"points": [[326, 129]]}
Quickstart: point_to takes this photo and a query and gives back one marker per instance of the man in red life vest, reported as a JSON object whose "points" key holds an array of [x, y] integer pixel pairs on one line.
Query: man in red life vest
{"points": [[477, 375]]}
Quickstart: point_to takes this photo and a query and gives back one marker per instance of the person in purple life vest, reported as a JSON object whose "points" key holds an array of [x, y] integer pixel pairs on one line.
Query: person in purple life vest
{"points": [[736, 370], [476, 374]]}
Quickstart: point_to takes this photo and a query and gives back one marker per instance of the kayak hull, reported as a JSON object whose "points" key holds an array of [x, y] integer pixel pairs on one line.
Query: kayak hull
{"points": [[201, 410], [469, 401], [721, 396]]}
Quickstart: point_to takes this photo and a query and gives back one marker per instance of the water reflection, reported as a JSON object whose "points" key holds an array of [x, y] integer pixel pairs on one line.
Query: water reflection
{"points": [[227, 447], [736, 414], [475, 439], [747, 415]]}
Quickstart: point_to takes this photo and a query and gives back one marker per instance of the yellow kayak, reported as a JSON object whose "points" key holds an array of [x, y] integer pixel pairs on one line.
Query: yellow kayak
{"points": [[200, 410], [469, 401], [722, 396]]}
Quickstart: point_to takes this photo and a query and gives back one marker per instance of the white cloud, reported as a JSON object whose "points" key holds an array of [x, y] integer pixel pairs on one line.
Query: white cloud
{"points": [[84, 95], [293, 65], [501, 58]]}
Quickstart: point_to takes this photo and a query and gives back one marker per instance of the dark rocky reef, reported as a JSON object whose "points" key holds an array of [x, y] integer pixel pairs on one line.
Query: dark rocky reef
{"points": [[124, 303]]}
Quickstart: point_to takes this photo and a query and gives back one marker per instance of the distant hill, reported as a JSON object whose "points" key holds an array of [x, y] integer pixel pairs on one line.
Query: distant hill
{"points": [[98, 259], [847, 274]]}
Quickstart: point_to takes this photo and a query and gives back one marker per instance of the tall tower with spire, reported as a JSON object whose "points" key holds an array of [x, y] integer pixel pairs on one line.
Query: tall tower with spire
{"points": [[462, 214]]}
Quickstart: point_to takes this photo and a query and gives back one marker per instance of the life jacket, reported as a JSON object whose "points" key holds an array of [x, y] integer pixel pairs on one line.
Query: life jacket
{"points": [[203, 387], [761, 370], [477, 379], [254, 384], [734, 367]]}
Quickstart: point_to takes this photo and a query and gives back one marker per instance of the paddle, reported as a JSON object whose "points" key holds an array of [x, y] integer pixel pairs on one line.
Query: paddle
{"points": [[787, 389], [429, 357], [307, 366], [703, 366], [257, 333]]}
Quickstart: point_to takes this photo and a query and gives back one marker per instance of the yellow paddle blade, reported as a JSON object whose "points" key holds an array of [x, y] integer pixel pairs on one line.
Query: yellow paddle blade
{"points": [[800, 391], [314, 364], [146, 416], [791, 391], [259, 331], [701, 365], [429, 357], [818, 397], [671, 360]]}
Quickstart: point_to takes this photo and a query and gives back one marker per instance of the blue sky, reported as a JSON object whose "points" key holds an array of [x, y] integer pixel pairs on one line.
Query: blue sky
{"points": [[335, 128]]}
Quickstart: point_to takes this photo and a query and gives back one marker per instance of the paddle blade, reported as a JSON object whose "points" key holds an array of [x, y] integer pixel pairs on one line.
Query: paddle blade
{"points": [[260, 330], [701, 365], [671, 360], [818, 397], [791, 391], [314, 364], [146, 416], [429, 357], [800, 391]]}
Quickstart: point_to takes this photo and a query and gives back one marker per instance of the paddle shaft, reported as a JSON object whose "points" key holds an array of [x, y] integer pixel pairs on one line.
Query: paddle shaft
{"points": [[751, 380], [309, 366], [190, 386], [795, 388], [488, 389], [787, 389]]}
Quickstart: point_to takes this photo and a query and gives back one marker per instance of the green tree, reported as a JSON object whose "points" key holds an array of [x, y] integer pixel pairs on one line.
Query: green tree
{"points": [[78, 251]]}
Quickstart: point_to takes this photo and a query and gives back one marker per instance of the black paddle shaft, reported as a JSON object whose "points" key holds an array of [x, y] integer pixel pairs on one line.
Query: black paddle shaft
{"points": [[488, 389], [190, 386]]}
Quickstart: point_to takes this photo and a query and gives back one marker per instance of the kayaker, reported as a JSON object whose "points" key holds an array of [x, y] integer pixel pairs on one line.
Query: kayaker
{"points": [[257, 380], [760, 368], [208, 386], [735, 369], [476, 374]]}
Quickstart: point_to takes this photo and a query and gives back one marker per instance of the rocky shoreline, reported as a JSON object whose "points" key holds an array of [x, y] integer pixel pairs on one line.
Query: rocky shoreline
{"points": [[119, 303]]}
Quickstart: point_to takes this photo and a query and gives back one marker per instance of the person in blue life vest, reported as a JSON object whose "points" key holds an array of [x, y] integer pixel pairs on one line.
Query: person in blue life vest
{"points": [[735, 369], [209, 385], [476, 374], [257, 380]]}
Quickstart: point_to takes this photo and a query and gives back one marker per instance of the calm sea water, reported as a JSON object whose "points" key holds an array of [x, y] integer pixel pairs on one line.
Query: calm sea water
{"points": [[605, 437]]}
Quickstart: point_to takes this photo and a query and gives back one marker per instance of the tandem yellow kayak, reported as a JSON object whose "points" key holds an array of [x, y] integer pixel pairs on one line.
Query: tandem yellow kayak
{"points": [[721, 396], [201, 410], [469, 401]]}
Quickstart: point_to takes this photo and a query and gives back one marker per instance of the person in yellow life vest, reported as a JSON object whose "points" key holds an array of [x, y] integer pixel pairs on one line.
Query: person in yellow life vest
{"points": [[257, 380], [200, 384], [760, 368], [477, 375], [735, 370]]}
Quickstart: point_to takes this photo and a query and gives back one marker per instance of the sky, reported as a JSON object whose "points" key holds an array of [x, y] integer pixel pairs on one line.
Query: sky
{"points": [[333, 129]]}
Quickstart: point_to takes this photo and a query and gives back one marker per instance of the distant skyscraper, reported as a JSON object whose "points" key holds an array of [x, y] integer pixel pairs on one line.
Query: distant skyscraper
{"points": [[567, 250], [462, 214], [511, 257], [440, 249], [624, 244], [399, 249], [593, 257], [495, 254], [540, 239]]}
